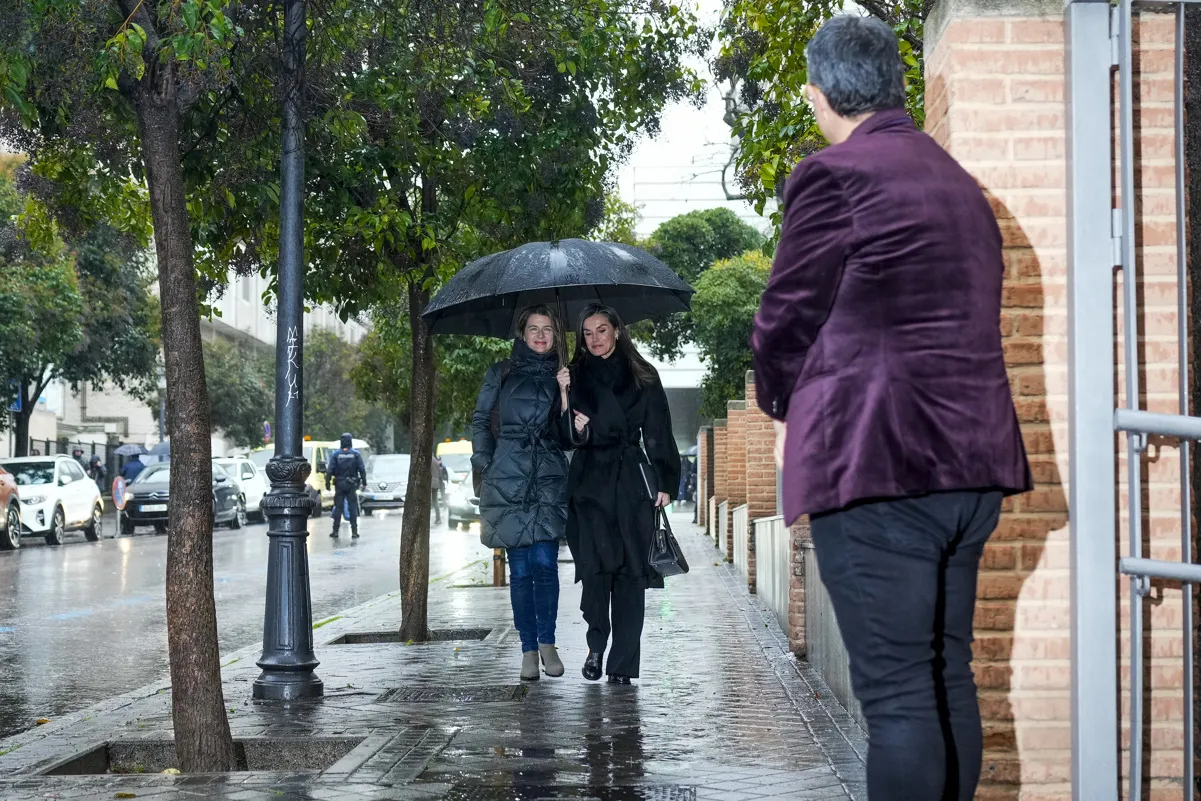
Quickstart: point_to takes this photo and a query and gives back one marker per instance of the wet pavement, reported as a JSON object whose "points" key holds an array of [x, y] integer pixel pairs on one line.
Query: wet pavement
{"points": [[722, 712], [86, 621]]}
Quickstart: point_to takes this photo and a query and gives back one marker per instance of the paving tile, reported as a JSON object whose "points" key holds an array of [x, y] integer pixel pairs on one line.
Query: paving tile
{"points": [[722, 713]]}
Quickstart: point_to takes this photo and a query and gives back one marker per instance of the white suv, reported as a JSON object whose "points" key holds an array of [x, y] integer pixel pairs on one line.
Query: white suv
{"points": [[250, 479], [56, 497]]}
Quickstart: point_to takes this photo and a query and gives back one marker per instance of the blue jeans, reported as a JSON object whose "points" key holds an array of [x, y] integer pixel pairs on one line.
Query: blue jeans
{"points": [[902, 579], [534, 591]]}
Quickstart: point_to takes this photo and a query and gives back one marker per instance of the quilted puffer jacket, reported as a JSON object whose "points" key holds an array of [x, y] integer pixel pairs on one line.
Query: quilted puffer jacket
{"points": [[523, 499]]}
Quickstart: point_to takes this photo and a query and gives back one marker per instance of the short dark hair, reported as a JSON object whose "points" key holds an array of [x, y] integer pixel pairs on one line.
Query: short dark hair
{"points": [[856, 62]]}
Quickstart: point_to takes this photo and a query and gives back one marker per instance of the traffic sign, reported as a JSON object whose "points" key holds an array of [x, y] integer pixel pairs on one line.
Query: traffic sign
{"points": [[16, 405], [266, 431], [120, 496]]}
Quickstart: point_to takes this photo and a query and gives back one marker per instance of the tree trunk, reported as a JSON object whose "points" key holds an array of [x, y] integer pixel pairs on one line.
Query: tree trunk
{"points": [[415, 531], [202, 737]]}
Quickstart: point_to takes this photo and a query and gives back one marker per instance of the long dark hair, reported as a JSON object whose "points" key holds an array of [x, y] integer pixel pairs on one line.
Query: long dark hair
{"points": [[560, 343], [644, 374]]}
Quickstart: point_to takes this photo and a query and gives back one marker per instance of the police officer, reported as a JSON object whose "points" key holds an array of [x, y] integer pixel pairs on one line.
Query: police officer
{"points": [[347, 471]]}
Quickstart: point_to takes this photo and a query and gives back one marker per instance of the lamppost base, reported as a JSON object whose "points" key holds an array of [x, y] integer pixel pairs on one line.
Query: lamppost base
{"points": [[279, 686]]}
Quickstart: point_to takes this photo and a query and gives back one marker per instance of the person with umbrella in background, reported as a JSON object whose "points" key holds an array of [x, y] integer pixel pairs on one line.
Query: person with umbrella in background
{"points": [[520, 431], [133, 467], [616, 491]]}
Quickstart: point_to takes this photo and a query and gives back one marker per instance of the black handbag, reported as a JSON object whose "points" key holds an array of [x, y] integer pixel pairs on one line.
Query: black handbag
{"points": [[666, 558]]}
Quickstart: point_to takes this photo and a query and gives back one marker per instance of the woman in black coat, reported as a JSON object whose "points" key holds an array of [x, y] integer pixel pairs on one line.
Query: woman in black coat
{"points": [[523, 499], [618, 397]]}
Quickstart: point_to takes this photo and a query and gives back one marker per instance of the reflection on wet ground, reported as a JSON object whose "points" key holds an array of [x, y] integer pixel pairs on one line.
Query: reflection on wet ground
{"points": [[85, 621]]}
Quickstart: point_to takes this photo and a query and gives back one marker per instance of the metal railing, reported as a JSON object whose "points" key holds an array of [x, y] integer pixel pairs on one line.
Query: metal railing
{"points": [[823, 641], [1100, 38], [773, 561], [742, 534]]}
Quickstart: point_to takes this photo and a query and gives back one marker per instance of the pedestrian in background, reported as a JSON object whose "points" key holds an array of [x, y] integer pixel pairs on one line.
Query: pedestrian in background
{"points": [[132, 468], [877, 350], [438, 487], [348, 474], [616, 490], [520, 432], [97, 472]]}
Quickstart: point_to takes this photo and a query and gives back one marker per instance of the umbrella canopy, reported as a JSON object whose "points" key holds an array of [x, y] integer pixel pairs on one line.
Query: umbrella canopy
{"points": [[132, 449], [161, 449], [486, 297]]}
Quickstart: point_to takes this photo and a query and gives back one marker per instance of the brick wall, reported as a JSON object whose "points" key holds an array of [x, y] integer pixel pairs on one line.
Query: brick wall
{"points": [[760, 468], [702, 477], [995, 100], [796, 587], [719, 472], [735, 466]]}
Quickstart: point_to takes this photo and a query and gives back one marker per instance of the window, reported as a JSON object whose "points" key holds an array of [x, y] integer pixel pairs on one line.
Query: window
{"points": [[247, 471], [73, 471], [246, 289]]}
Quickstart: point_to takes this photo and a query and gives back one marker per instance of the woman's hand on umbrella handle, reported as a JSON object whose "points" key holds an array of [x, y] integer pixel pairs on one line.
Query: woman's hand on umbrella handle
{"points": [[564, 379], [662, 500], [581, 422]]}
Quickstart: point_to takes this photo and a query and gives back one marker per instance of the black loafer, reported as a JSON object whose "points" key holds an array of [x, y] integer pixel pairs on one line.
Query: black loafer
{"points": [[592, 667], [615, 679]]}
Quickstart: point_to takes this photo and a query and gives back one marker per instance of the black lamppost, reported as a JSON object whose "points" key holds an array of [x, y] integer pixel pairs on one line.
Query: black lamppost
{"points": [[288, 660]]}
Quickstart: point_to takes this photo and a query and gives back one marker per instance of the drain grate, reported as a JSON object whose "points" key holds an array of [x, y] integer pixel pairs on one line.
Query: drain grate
{"points": [[533, 793], [440, 635], [470, 695]]}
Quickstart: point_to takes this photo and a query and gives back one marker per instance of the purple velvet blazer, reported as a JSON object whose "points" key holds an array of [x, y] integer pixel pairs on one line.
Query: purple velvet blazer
{"points": [[878, 337]]}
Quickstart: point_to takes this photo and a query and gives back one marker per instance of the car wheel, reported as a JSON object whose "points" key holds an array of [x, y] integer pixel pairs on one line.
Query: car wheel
{"points": [[11, 539], [95, 528], [58, 528], [239, 516], [160, 528], [127, 527]]}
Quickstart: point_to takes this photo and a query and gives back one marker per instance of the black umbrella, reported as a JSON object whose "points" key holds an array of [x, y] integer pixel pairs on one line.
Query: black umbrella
{"points": [[486, 297]]}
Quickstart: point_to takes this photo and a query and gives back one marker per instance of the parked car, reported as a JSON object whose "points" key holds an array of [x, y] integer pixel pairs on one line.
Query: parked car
{"points": [[56, 497], [251, 481], [10, 512], [462, 507], [149, 498], [387, 482]]}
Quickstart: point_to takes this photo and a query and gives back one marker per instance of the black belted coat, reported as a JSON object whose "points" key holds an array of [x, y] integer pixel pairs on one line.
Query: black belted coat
{"points": [[524, 495], [611, 518]]}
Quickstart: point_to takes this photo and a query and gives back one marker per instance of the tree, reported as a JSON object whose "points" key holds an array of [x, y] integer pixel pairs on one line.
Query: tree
{"points": [[80, 313], [620, 223], [98, 94], [727, 297], [762, 65], [690, 244], [332, 403], [241, 391], [442, 132]]}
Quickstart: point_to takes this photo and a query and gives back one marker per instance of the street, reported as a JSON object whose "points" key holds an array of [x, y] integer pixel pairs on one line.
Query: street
{"points": [[86, 621]]}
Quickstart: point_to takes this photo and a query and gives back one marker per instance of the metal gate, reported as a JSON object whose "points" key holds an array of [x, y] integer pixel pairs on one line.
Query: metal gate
{"points": [[1100, 43]]}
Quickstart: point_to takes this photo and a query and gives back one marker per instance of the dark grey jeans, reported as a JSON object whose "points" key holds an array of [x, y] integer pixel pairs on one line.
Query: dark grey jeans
{"points": [[902, 578]]}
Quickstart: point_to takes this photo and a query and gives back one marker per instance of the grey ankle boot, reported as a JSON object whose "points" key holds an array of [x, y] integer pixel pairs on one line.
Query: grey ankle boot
{"points": [[550, 660], [529, 666]]}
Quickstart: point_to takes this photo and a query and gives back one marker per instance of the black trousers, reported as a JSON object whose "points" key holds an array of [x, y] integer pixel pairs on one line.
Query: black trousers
{"points": [[346, 494], [615, 604], [902, 578]]}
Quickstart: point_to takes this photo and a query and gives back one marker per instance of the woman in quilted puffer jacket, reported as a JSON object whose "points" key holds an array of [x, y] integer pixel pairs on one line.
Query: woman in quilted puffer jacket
{"points": [[520, 432]]}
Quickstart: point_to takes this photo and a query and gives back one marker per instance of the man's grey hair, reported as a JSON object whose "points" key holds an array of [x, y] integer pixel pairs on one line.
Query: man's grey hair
{"points": [[856, 62]]}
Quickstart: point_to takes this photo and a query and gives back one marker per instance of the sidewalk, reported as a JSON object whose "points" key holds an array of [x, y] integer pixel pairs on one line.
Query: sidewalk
{"points": [[722, 711]]}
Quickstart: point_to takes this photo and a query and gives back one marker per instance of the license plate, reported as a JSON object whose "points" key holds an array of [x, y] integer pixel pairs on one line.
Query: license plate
{"points": [[153, 507]]}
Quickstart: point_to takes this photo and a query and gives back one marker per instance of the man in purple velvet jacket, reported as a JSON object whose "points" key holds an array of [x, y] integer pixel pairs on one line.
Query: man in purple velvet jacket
{"points": [[877, 350]]}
